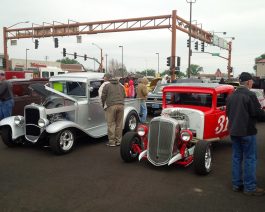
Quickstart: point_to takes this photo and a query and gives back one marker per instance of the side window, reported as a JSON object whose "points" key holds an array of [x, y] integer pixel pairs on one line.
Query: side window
{"points": [[221, 99], [94, 86], [76, 88], [45, 74]]}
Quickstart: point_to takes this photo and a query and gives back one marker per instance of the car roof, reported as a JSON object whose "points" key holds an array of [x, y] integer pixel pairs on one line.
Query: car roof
{"points": [[27, 80], [198, 86], [78, 76]]}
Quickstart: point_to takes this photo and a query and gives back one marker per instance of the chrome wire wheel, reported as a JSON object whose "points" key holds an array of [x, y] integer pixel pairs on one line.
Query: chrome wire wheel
{"points": [[208, 159], [66, 140], [132, 123], [202, 157]]}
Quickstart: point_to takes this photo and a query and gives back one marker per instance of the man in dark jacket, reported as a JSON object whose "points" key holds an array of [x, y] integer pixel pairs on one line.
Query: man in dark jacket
{"points": [[6, 97], [113, 95], [243, 110]]}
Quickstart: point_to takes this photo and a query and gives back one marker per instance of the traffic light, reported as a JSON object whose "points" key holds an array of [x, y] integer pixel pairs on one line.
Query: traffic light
{"points": [[168, 61], [196, 45], [56, 42], [64, 52], [188, 43], [85, 57], [75, 55], [36, 43], [202, 46], [4, 62], [178, 61]]}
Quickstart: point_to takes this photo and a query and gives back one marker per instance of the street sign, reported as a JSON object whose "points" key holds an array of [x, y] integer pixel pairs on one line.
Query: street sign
{"points": [[215, 54]]}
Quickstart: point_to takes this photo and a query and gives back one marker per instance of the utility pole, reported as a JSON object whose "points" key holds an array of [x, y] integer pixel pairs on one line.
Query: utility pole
{"points": [[190, 52], [106, 71]]}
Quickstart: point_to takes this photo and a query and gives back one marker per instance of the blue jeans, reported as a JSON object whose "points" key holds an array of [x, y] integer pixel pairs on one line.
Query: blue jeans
{"points": [[143, 111], [6, 108], [244, 153]]}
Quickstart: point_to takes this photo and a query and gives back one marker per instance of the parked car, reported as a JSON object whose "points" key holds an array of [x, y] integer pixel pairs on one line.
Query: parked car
{"points": [[71, 108], [261, 97], [23, 94], [191, 119], [154, 98]]}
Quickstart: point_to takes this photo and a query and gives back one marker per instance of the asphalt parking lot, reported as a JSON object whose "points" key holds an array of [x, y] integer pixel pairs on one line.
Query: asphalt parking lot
{"points": [[94, 178]]}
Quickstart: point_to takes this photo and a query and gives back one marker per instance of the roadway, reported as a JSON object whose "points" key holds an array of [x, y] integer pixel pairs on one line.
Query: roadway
{"points": [[94, 178]]}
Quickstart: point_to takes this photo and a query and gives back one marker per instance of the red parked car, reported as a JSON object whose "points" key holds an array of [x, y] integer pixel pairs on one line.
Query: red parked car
{"points": [[23, 94], [191, 119]]}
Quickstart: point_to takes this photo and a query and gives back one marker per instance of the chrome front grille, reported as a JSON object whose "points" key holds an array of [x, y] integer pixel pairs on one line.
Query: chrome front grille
{"points": [[161, 140], [32, 116]]}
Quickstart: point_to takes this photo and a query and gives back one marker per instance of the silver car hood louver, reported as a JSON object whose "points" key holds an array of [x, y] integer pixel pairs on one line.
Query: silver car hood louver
{"points": [[162, 133]]}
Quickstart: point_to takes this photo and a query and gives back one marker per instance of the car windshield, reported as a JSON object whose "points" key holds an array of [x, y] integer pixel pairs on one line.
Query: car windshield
{"points": [[70, 88], [197, 99]]}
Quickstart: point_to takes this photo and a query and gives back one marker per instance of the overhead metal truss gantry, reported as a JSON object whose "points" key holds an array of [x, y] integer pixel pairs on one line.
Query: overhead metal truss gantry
{"points": [[172, 22]]}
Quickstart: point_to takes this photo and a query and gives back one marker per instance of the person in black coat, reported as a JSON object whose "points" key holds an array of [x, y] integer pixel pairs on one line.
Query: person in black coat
{"points": [[243, 110]]}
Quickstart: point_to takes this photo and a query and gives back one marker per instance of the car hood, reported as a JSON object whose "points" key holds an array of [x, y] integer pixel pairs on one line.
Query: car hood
{"points": [[40, 89], [46, 91], [154, 95]]}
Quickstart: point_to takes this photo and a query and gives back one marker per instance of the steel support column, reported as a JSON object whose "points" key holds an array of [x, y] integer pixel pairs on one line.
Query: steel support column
{"points": [[173, 45]]}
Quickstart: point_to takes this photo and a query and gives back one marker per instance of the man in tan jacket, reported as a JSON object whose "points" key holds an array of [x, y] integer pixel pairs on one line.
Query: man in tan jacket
{"points": [[113, 95], [142, 94]]}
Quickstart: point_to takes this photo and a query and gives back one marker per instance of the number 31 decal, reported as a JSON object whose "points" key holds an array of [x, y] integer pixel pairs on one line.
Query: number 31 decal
{"points": [[222, 124]]}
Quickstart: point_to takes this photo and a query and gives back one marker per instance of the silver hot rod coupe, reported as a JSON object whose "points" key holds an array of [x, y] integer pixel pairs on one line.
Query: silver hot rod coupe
{"points": [[193, 116], [72, 107]]}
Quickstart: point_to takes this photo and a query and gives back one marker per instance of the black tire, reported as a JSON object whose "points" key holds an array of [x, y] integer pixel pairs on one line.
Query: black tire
{"points": [[126, 151], [131, 122], [202, 157], [6, 135], [63, 141]]}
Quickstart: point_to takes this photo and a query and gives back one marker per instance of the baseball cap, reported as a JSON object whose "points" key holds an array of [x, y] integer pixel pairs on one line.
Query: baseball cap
{"points": [[245, 76], [108, 75]]}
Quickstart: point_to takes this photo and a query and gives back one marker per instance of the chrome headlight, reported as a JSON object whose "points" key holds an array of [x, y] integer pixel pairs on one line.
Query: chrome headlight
{"points": [[142, 130], [43, 122], [185, 135], [19, 120]]}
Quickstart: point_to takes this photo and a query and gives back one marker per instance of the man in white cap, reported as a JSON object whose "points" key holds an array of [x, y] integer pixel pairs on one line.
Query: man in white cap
{"points": [[243, 110]]}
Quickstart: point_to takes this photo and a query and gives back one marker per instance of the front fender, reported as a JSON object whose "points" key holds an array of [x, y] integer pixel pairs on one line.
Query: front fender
{"points": [[127, 110], [60, 125], [16, 130]]}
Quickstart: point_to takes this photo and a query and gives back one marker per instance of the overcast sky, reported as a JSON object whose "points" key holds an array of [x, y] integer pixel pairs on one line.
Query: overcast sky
{"points": [[240, 19]]}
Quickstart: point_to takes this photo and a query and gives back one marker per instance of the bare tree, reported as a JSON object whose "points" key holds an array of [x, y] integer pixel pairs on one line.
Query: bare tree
{"points": [[115, 68]]}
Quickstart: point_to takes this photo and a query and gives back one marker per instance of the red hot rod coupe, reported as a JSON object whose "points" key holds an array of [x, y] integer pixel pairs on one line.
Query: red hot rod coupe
{"points": [[193, 115]]}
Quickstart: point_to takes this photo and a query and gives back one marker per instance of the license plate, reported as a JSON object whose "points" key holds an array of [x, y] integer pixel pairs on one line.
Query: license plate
{"points": [[155, 106]]}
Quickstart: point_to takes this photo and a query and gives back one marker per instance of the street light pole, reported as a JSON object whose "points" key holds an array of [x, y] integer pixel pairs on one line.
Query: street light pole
{"points": [[106, 63], [121, 61], [27, 59], [190, 2], [157, 62], [101, 57]]}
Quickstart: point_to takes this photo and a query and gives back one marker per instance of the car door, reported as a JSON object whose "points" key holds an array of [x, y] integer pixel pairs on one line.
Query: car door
{"points": [[96, 112], [219, 117]]}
